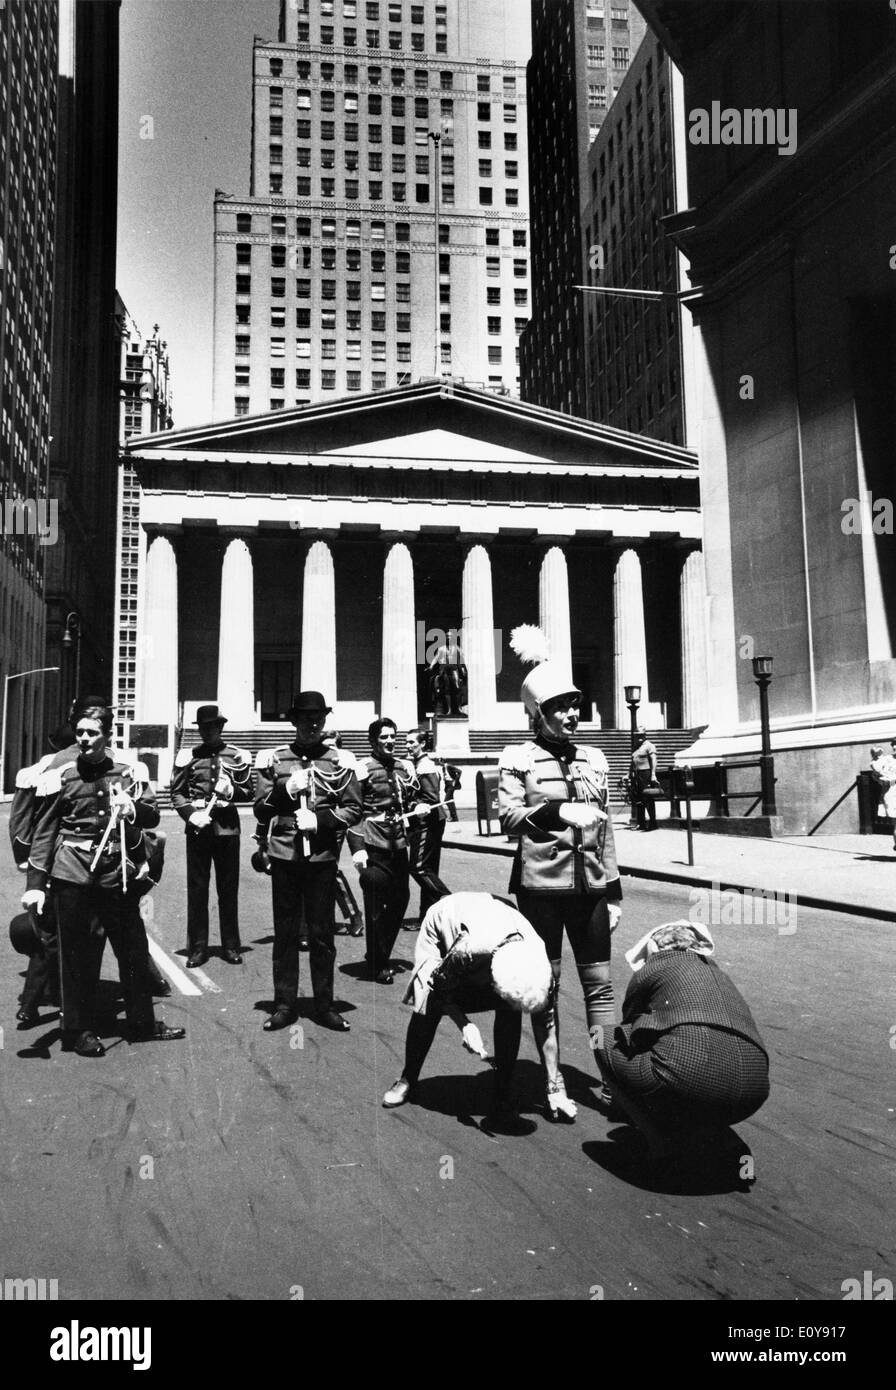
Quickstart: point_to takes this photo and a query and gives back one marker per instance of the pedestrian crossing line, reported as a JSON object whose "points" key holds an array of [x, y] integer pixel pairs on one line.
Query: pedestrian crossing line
{"points": [[170, 970], [208, 985]]}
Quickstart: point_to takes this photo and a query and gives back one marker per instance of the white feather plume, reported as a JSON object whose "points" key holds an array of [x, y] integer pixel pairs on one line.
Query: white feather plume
{"points": [[529, 643]]}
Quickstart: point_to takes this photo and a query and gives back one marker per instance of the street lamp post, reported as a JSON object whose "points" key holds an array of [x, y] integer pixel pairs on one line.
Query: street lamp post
{"points": [[19, 675], [762, 672], [72, 637], [633, 699]]}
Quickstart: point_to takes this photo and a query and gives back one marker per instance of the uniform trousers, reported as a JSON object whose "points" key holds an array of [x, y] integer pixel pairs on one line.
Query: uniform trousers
{"points": [[304, 898], [42, 976], [204, 848], [386, 895], [425, 850], [82, 912]]}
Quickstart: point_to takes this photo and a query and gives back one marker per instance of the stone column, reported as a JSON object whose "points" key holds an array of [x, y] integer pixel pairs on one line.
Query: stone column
{"points": [[553, 605], [629, 639], [694, 671], [399, 671], [157, 648], [478, 640], [236, 641], [319, 622]]}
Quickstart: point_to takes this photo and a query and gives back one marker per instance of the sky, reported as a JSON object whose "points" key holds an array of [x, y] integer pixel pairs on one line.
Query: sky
{"points": [[186, 65]]}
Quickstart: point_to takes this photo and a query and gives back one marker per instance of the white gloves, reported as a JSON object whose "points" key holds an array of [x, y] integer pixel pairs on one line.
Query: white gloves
{"points": [[359, 859], [472, 1040], [34, 897], [224, 787], [297, 782], [615, 914], [306, 821], [124, 803], [421, 810], [199, 820]]}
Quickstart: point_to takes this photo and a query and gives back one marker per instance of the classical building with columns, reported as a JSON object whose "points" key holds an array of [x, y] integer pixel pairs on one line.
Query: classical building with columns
{"points": [[337, 546]]}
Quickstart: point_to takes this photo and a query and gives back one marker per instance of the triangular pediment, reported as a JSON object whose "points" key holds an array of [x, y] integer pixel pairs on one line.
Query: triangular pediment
{"points": [[440, 421]]}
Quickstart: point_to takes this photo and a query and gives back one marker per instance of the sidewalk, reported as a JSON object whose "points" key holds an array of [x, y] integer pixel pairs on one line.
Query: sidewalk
{"points": [[842, 873]]}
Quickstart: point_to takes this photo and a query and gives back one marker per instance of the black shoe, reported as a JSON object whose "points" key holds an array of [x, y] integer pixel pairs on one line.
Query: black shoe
{"points": [[608, 1105], [86, 1044], [330, 1019], [161, 989], [158, 1031], [280, 1018], [28, 1018], [357, 929], [197, 957], [303, 943], [232, 956], [384, 977]]}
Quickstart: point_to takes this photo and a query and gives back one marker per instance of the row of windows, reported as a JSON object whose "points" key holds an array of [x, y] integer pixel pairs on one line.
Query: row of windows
{"points": [[398, 192], [395, 38], [352, 77], [353, 319], [353, 229]]}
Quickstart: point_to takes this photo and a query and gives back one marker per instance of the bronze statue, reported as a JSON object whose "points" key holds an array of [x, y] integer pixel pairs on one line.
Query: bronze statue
{"points": [[448, 680]]}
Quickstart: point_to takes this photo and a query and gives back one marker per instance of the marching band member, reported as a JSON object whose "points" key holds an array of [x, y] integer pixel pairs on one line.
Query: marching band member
{"points": [[207, 783], [92, 881], [425, 839], [307, 798], [380, 847], [345, 898], [553, 797]]}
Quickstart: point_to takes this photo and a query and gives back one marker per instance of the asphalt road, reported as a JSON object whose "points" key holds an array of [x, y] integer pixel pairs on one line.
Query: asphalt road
{"points": [[244, 1165]]}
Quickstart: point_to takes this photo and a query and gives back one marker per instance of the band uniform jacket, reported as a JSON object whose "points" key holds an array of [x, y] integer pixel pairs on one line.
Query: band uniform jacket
{"points": [[431, 786], [196, 771], [73, 809], [552, 857], [23, 806], [388, 791], [334, 796]]}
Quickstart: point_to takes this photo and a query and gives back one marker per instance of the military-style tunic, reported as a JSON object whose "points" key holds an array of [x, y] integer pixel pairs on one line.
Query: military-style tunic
{"points": [[388, 790], [552, 857], [334, 796], [22, 807], [193, 781], [74, 805]]}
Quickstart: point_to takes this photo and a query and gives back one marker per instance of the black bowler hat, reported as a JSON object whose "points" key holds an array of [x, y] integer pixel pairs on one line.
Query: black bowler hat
{"points": [[308, 702], [22, 934], [210, 714]]}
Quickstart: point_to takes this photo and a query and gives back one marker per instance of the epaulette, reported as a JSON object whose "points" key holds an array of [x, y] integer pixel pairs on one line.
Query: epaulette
{"points": [[27, 776], [240, 753], [184, 757], [346, 758], [595, 756], [362, 769], [266, 757], [517, 757], [426, 765], [49, 783], [139, 771]]}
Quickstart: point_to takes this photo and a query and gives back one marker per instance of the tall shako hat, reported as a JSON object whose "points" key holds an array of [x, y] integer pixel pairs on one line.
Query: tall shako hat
{"points": [[548, 678]]}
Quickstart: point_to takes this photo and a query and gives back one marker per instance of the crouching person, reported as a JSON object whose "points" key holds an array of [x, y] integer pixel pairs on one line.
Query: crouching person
{"points": [[687, 1061], [474, 954]]}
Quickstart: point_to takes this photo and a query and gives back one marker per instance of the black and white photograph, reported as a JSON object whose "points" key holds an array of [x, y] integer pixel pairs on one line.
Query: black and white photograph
{"points": [[448, 586]]}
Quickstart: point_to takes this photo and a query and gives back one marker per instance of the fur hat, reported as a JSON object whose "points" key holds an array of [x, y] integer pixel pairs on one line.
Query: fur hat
{"points": [[548, 678], [521, 974]]}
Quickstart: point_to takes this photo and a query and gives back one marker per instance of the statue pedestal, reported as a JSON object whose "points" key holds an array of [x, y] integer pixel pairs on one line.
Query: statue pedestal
{"points": [[452, 737]]}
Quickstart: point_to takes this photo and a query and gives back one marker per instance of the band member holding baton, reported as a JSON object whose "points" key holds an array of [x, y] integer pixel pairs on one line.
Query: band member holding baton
{"points": [[425, 837], [207, 783], [307, 799], [93, 871]]}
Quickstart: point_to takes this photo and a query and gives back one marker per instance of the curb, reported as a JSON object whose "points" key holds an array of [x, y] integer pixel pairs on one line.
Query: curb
{"points": [[878, 914]]}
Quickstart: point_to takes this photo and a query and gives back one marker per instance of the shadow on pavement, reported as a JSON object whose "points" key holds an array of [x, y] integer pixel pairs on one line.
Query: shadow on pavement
{"points": [[625, 1155]]}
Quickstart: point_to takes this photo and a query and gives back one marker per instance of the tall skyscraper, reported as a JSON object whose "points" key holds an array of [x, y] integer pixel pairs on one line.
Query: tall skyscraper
{"points": [[28, 62], [384, 134], [581, 51], [145, 391], [634, 361]]}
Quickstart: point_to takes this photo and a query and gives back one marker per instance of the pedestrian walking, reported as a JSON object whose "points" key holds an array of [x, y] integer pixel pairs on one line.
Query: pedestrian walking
{"points": [[883, 766], [553, 799], [307, 799], [207, 784], [644, 785]]}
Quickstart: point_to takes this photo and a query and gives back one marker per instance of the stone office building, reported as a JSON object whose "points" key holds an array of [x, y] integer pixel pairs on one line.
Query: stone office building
{"points": [[332, 546]]}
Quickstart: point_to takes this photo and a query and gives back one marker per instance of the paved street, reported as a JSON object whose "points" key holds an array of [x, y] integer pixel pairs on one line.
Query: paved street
{"points": [[246, 1165]]}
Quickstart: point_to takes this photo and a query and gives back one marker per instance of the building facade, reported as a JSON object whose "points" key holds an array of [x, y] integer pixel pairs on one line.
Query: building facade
{"points": [[384, 135], [790, 237], [581, 51], [28, 114], [84, 409], [634, 367], [337, 546], [146, 408]]}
